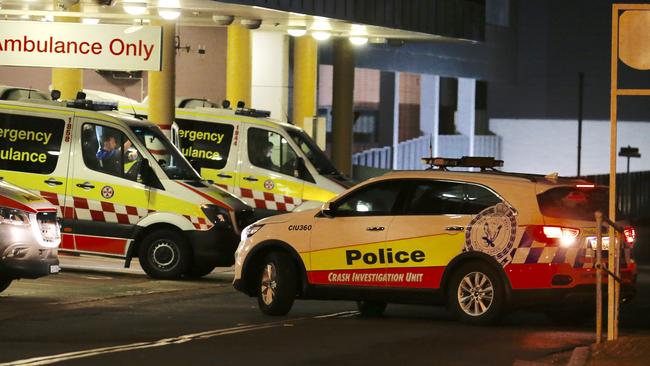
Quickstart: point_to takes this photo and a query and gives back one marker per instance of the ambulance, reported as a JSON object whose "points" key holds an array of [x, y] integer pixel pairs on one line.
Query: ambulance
{"points": [[120, 186], [29, 235], [478, 242]]}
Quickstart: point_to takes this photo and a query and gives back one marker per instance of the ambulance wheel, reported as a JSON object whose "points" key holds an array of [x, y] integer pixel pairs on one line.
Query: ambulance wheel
{"points": [[200, 270], [476, 294], [164, 254], [371, 309], [277, 284], [4, 283]]}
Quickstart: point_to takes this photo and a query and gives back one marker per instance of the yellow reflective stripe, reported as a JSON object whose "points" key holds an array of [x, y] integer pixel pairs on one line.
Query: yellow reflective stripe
{"points": [[281, 186], [438, 250], [123, 195], [315, 193], [33, 181]]}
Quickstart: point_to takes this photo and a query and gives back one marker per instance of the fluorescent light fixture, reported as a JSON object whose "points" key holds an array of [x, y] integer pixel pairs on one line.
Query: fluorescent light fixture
{"points": [[321, 36], [297, 31], [378, 40], [169, 13], [358, 41], [223, 19], [90, 20], [135, 7], [251, 23]]}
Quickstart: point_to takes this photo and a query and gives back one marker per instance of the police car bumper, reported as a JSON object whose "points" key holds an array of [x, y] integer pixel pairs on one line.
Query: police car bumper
{"points": [[215, 246], [578, 296]]}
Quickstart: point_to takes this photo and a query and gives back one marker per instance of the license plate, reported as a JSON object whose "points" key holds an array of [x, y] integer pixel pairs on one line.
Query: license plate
{"points": [[55, 269], [593, 242]]}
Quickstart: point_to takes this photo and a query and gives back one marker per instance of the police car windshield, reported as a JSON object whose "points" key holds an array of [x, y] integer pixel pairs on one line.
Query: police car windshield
{"points": [[168, 157], [315, 155]]}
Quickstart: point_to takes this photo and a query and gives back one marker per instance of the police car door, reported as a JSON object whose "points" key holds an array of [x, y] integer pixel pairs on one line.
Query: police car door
{"points": [[348, 246], [212, 149], [429, 230], [108, 199], [269, 179], [34, 145]]}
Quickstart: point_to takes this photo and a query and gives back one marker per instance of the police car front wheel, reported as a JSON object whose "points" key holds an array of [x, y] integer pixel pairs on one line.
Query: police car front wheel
{"points": [[277, 284], [164, 254], [476, 294]]}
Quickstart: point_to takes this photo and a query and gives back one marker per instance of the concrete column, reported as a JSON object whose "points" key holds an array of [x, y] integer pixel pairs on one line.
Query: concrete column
{"points": [[396, 123], [466, 115], [342, 104], [430, 108], [161, 84], [67, 81], [305, 71], [387, 94], [270, 73], [238, 65]]}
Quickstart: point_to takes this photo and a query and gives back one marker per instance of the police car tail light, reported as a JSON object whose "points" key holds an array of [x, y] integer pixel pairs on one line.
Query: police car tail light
{"points": [[554, 235], [630, 235]]}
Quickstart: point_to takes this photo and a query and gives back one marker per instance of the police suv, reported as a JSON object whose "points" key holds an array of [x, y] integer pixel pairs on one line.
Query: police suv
{"points": [[120, 186], [29, 235], [479, 242]]}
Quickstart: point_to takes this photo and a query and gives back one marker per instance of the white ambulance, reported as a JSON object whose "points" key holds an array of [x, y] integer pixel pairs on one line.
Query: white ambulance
{"points": [[121, 187]]}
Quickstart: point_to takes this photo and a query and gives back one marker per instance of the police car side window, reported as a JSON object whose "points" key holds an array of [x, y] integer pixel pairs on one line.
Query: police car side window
{"points": [[205, 144], [109, 151], [442, 198], [30, 144], [269, 150], [374, 200]]}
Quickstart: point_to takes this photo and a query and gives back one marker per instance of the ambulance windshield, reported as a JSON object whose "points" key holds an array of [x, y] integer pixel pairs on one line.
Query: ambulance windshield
{"points": [[315, 155], [167, 156]]}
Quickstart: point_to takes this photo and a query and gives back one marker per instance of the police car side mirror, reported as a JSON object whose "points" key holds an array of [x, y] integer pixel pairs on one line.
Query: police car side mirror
{"points": [[149, 177], [326, 210]]}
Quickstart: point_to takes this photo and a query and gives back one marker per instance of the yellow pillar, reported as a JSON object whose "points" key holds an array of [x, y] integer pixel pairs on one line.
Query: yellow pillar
{"points": [[162, 84], [238, 65], [342, 105], [305, 71], [68, 81]]}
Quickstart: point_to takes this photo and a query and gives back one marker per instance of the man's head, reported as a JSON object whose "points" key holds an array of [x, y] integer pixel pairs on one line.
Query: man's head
{"points": [[268, 147], [109, 143]]}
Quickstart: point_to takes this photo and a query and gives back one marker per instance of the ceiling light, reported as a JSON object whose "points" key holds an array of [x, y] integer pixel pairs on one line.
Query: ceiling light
{"points": [[24, 17], [321, 36], [135, 7], [297, 31], [90, 20], [358, 41], [169, 13], [377, 40], [251, 23], [223, 19]]}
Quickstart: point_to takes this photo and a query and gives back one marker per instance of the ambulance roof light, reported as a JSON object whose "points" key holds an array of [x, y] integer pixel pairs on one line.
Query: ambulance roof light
{"points": [[92, 105], [225, 104], [250, 112], [241, 104], [465, 162]]}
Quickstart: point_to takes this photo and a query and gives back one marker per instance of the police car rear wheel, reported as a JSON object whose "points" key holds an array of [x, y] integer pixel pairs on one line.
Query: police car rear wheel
{"points": [[277, 284], [4, 283], [476, 294], [371, 309], [164, 254]]}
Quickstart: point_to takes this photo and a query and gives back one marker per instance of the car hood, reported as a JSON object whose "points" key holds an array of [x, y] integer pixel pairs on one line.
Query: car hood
{"points": [[217, 195], [12, 196]]}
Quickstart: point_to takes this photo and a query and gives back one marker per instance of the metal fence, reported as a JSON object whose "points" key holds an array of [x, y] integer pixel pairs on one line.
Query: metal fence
{"points": [[410, 152], [632, 194]]}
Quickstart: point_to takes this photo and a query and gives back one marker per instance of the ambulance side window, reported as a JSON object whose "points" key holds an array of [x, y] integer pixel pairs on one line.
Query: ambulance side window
{"points": [[30, 144], [443, 198], [108, 150], [375, 200], [269, 150], [205, 144]]}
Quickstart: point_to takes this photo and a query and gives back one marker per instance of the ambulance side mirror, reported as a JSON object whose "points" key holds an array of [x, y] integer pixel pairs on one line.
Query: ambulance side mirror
{"points": [[300, 168], [148, 176]]}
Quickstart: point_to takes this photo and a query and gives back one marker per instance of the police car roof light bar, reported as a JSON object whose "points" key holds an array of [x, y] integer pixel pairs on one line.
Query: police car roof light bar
{"points": [[482, 162]]}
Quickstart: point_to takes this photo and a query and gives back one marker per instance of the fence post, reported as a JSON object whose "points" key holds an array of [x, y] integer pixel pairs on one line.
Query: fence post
{"points": [[599, 276]]}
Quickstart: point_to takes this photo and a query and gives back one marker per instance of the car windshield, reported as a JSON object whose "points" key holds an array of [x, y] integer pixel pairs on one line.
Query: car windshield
{"points": [[573, 202], [315, 155], [168, 157]]}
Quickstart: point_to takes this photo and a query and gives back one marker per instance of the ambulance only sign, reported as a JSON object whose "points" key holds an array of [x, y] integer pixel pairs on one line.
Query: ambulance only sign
{"points": [[86, 46]]}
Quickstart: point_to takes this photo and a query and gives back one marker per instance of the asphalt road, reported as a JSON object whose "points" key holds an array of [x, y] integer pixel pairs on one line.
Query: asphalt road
{"points": [[85, 318]]}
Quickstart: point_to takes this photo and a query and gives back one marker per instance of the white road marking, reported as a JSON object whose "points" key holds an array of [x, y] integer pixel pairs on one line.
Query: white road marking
{"points": [[46, 360]]}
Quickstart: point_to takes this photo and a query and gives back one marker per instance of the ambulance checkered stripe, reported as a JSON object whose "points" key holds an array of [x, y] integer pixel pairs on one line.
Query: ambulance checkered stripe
{"points": [[267, 200], [102, 211]]}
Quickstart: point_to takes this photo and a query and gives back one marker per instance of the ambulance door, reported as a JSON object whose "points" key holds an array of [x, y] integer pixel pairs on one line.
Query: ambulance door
{"points": [[348, 242], [107, 194], [429, 230], [34, 146], [270, 179], [211, 147]]}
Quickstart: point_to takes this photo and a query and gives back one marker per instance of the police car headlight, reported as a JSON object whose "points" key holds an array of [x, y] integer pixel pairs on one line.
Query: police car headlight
{"points": [[12, 216], [216, 214], [250, 230]]}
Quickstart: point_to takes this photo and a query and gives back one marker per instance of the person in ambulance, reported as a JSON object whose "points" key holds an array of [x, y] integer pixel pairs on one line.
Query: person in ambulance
{"points": [[121, 187], [478, 242], [29, 235]]}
